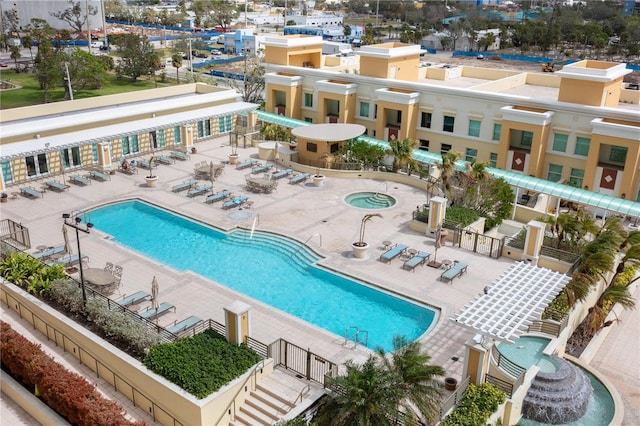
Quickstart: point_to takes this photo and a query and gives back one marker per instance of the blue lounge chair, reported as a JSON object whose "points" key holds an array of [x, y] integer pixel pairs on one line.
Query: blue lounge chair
{"points": [[456, 270], [246, 164], [417, 259], [179, 155], [218, 196], [299, 178], [282, 173], [69, 260], [80, 180], [261, 169], [133, 299], [151, 313], [99, 175], [145, 164], [184, 325], [31, 192], [184, 185], [392, 253], [199, 190], [55, 185], [163, 159], [48, 252], [235, 202]]}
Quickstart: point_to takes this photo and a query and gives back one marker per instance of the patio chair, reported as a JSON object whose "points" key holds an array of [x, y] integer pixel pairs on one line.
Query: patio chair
{"points": [[31, 192], [108, 267], [57, 186], [456, 270], [235, 202], [80, 180]]}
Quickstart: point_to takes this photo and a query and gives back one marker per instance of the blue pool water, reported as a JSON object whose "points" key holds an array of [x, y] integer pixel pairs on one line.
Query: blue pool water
{"points": [[277, 271], [370, 200], [526, 351]]}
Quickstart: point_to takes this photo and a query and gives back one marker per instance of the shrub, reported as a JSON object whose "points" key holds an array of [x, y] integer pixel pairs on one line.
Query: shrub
{"points": [[67, 393], [463, 215], [201, 364], [476, 406]]}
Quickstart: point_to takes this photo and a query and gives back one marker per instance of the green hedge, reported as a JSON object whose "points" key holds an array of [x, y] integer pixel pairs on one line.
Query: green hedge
{"points": [[477, 405], [201, 364]]}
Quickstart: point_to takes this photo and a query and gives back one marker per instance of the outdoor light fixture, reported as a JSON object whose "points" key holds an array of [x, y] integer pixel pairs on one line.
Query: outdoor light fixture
{"points": [[78, 227]]}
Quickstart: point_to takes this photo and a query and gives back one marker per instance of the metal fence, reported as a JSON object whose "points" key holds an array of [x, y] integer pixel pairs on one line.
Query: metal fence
{"points": [[15, 234], [478, 243], [454, 399], [301, 361]]}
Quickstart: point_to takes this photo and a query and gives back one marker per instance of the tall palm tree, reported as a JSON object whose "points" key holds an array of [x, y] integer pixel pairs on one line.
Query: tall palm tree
{"points": [[447, 169], [402, 151], [176, 61]]}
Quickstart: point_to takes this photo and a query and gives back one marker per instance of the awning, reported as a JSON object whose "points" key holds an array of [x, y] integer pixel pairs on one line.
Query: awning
{"points": [[108, 133]]}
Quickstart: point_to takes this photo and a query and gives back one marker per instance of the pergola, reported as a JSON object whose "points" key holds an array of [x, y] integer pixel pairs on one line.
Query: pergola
{"points": [[327, 133], [508, 306]]}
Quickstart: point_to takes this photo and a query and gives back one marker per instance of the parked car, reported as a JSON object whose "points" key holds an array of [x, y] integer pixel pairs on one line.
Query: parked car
{"points": [[215, 52]]}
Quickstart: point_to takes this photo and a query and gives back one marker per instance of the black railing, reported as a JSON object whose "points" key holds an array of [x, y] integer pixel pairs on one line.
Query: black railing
{"points": [[503, 385], [299, 360], [506, 364], [562, 255], [15, 234]]}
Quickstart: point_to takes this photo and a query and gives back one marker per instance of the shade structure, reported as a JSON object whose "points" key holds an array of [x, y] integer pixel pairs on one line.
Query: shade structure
{"points": [[154, 294], [65, 235]]}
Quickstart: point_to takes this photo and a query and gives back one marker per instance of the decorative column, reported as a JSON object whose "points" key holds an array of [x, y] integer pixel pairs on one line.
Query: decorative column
{"points": [[533, 242], [476, 360], [104, 155], [237, 317], [437, 211], [252, 119], [187, 136]]}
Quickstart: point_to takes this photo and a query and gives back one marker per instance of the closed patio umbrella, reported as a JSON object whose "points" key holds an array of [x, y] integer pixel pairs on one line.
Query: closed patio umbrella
{"points": [[65, 235], [154, 294]]}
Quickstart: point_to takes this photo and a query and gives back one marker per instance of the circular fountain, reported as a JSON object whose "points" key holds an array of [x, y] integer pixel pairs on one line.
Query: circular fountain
{"points": [[558, 397]]}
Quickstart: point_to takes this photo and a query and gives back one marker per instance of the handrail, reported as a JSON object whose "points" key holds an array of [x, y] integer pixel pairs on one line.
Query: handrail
{"points": [[317, 234], [346, 335], [299, 397], [240, 388]]}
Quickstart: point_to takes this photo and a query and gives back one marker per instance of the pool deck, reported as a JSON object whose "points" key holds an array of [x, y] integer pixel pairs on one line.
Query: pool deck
{"points": [[300, 211]]}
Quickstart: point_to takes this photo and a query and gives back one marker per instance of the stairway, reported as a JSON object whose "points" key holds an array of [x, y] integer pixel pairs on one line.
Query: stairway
{"points": [[274, 396]]}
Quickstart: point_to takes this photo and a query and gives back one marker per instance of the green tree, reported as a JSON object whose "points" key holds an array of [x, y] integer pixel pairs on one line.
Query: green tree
{"points": [[251, 88], [402, 151], [27, 43], [87, 71], [15, 55], [47, 67], [138, 56], [447, 169], [176, 61], [75, 15]]}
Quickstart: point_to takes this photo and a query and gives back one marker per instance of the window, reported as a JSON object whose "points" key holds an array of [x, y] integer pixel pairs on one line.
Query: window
{"points": [[497, 129], [308, 119], [493, 159], [177, 135], [364, 109], [312, 147], [70, 157], [124, 141], [582, 146], [526, 139], [153, 139], [160, 135], [576, 177], [94, 152], [471, 154], [36, 164], [474, 128], [308, 100], [448, 123], [560, 142], [334, 147], [399, 117], [375, 111], [204, 128], [425, 120], [130, 144], [555, 173], [7, 174], [424, 145], [444, 148], [618, 154]]}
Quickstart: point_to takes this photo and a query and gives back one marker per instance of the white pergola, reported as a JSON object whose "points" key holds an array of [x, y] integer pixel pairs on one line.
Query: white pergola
{"points": [[508, 306]]}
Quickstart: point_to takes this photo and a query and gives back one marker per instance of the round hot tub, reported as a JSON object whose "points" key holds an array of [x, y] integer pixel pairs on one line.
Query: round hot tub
{"points": [[370, 200]]}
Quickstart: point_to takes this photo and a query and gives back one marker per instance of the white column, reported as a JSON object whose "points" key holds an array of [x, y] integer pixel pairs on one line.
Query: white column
{"points": [[533, 242], [437, 211], [237, 322], [104, 155]]}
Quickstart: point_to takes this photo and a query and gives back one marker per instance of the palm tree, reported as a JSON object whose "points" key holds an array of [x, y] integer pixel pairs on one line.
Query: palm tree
{"points": [[402, 151], [176, 61], [363, 223], [447, 169]]}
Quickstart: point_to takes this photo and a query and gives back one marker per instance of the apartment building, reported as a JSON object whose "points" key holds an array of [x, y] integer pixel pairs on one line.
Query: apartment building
{"points": [[580, 125]]}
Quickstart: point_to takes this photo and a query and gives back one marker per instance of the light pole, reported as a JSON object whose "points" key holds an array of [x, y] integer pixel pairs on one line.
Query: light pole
{"points": [[77, 226]]}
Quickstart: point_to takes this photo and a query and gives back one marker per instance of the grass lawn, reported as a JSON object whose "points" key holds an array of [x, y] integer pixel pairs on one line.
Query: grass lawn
{"points": [[30, 93]]}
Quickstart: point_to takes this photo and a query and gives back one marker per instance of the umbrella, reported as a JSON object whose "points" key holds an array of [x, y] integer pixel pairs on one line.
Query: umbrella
{"points": [[65, 235], [154, 294], [212, 171], [437, 243]]}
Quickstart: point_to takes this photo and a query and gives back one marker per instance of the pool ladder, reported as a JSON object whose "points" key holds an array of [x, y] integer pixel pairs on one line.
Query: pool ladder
{"points": [[352, 334]]}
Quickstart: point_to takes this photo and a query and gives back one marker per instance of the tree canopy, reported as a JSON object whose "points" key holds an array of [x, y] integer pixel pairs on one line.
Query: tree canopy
{"points": [[138, 57]]}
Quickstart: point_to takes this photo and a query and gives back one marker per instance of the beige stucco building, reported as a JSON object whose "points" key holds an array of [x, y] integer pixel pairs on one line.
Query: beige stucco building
{"points": [[579, 125]]}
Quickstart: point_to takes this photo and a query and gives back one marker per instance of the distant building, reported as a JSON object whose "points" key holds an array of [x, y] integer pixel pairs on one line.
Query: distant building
{"points": [[25, 10]]}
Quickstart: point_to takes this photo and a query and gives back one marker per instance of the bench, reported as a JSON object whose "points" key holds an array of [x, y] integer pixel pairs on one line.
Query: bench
{"points": [[417, 259], [99, 175], [184, 325], [456, 270], [80, 180], [55, 185], [179, 155], [392, 253], [31, 192], [218, 196], [151, 313], [133, 299], [164, 159], [261, 169], [299, 178], [184, 185], [235, 202]]}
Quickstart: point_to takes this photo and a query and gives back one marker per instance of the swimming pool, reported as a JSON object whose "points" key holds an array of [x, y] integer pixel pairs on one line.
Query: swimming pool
{"points": [[275, 270], [370, 200]]}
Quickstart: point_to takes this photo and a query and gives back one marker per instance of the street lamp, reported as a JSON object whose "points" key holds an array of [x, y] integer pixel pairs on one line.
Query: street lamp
{"points": [[77, 226]]}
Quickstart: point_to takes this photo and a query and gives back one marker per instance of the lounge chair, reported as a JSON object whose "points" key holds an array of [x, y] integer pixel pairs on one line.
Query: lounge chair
{"points": [[218, 196], [95, 174], [80, 180], [184, 185], [456, 270], [163, 159], [184, 325], [179, 155], [57, 186], [48, 252], [199, 190], [281, 174], [145, 164], [419, 258], [262, 168], [133, 299], [392, 253], [31, 192], [130, 169], [246, 164], [151, 313], [299, 178], [69, 260], [235, 202]]}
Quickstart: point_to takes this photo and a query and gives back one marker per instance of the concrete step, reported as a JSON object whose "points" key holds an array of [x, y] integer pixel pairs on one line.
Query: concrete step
{"points": [[248, 413]]}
